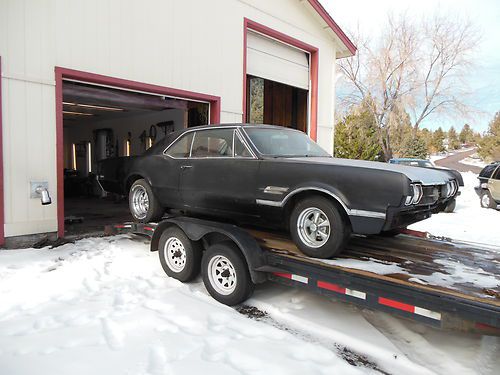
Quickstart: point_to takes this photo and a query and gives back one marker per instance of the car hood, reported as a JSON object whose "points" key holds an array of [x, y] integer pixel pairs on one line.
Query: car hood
{"points": [[425, 176]]}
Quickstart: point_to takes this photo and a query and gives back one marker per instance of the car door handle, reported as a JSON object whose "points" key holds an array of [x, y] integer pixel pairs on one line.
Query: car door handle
{"points": [[186, 167]]}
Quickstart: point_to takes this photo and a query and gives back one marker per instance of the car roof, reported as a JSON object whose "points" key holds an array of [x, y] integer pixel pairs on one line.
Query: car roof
{"points": [[232, 125], [408, 159]]}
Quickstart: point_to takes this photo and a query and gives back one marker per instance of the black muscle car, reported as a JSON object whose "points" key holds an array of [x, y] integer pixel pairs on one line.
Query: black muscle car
{"points": [[275, 177]]}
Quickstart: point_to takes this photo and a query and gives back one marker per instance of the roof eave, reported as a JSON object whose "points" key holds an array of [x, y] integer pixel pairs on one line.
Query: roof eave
{"points": [[350, 48]]}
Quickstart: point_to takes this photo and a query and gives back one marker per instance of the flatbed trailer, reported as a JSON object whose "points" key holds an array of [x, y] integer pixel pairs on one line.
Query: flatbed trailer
{"points": [[420, 285]]}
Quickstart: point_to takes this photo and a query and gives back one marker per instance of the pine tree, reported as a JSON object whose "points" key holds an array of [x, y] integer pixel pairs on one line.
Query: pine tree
{"points": [[356, 136], [437, 144], [453, 141], [415, 147], [489, 146], [466, 134]]}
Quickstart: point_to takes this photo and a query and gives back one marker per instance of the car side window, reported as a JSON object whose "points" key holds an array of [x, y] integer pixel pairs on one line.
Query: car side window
{"points": [[213, 143], [240, 149], [496, 175], [181, 147], [487, 171]]}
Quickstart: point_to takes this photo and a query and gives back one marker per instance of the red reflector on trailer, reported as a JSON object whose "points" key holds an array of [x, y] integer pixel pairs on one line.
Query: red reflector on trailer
{"points": [[285, 275], [300, 279], [330, 286], [396, 304], [148, 228]]}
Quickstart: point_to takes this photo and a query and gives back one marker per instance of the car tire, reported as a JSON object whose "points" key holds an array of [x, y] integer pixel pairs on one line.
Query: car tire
{"points": [[450, 207], [225, 274], [318, 228], [180, 257], [487, 200], [143, 204]]}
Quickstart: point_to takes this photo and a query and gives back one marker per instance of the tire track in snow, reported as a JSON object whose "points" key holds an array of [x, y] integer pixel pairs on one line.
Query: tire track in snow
{"points": [[351, 357]]}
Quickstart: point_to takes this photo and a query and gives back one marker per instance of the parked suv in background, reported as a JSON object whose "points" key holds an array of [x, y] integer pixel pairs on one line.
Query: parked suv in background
{"points": [[489, 185]]}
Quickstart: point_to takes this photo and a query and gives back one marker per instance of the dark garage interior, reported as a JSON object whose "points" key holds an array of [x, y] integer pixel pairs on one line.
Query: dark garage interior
{"points": [[103, 122]]}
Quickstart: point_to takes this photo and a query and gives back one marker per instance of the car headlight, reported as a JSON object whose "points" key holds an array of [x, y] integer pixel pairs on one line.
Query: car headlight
{"points": [[455, 187], [418, 192], [448, 189]]}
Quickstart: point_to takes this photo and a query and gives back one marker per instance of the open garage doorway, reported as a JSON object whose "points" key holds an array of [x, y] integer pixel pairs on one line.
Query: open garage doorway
{"points": [[101, 121], [280, 79]]}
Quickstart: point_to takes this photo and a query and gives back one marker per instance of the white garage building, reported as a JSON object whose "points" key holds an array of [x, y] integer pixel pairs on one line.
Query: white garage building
{"points": [[84, 80]]}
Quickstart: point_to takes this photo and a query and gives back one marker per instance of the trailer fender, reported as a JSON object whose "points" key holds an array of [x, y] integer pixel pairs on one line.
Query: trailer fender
{"points": [[197, 229]]}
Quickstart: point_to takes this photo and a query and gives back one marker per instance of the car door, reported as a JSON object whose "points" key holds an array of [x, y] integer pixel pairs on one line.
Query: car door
{"points": [[220, 175], [167, 169], [494, 184]]}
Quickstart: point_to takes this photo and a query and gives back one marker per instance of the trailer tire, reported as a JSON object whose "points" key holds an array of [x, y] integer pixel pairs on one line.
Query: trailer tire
{"points": [[180, 257], [318, 228], [143, 204], [225, 274]]}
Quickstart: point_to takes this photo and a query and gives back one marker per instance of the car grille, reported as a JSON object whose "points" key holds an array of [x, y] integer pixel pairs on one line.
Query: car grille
{"points": [[433, 193]]}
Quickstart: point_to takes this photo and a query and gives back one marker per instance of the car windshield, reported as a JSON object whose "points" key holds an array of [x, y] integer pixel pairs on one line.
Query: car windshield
{"points": [[284, 143], [415, 163]]}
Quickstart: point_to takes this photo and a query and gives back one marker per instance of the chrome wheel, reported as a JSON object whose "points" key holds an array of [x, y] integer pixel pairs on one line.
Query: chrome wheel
{"points": [[222, 275], [485, 200], [140, 202], [175, 254], [313, 227]]}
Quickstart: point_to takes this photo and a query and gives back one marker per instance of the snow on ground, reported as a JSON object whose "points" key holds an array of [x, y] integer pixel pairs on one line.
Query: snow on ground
{"points": [[104, 306], [439, 156], [474, 160], [469, 222]]}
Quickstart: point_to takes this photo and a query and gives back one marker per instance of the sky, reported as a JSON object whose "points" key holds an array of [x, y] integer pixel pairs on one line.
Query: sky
{"points": [[484, 80]]}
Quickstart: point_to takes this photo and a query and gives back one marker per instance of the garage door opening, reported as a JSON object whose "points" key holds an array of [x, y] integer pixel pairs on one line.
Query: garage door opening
{"points": [[277, 82], [102, 122], [275, 103], [280, 79]]}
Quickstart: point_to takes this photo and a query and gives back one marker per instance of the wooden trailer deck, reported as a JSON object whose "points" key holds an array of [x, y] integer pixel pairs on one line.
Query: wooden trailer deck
{"points": [[465, 270]]}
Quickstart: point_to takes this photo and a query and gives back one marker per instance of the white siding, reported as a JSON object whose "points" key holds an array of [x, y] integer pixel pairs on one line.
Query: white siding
{"points": [[190, 44]]}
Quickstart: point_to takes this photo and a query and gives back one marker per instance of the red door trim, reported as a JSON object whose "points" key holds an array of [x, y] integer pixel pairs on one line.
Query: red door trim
{"points": [[313, 70], [64, 73], [2, 207]]}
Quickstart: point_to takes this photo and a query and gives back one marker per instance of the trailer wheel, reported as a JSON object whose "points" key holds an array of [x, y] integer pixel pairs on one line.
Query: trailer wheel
{"points": [[179, 256], [143, 204], [225, 274], [318, 228]]}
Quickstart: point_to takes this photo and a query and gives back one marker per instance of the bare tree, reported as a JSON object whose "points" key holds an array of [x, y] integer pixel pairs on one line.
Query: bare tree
{"points": [[446, 57], [414, 67]]}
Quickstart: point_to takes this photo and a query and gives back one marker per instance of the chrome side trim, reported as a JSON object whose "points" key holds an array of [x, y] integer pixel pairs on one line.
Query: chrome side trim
{"points": [[374, 214], [275, 190], [265, 202], [353, 212]]}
